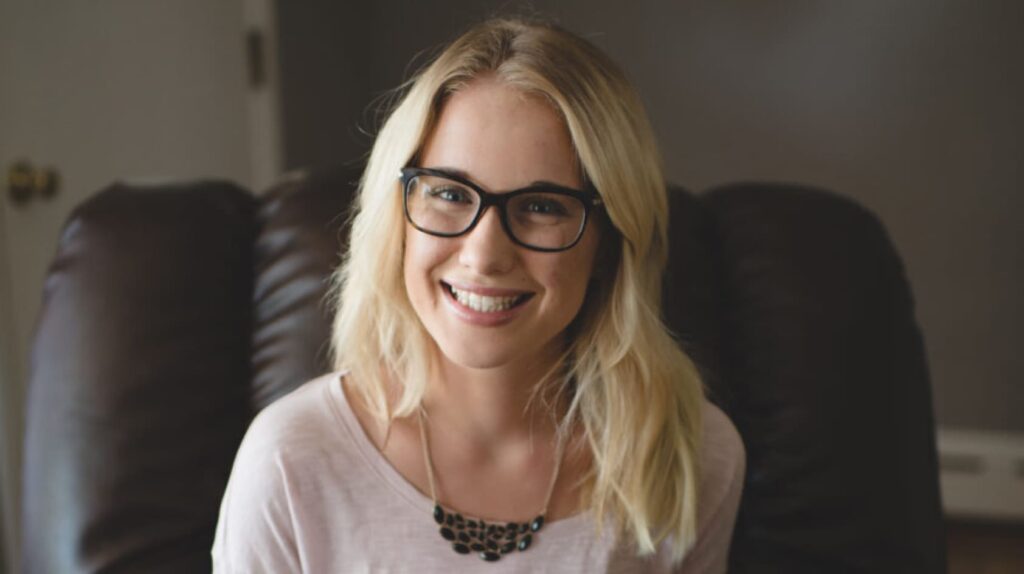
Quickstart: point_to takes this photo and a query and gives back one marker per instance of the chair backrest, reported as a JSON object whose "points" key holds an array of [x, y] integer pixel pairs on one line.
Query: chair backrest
{"points": [[173, 314], [825, 363]]}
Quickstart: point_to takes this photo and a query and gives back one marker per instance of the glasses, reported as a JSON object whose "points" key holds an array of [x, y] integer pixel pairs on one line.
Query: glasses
{"points": [[542, 217]]}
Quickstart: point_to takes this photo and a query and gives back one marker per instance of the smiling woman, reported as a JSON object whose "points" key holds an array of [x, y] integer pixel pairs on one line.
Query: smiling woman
{"points": [[500, 136], [505, 387]]}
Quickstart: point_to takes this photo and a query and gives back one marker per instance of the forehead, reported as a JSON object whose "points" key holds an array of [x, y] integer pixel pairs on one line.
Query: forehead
{"points": [[502, 138]]}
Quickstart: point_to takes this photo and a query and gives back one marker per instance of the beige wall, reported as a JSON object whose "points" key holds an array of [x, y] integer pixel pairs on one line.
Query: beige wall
{"points": [[912, 108]]}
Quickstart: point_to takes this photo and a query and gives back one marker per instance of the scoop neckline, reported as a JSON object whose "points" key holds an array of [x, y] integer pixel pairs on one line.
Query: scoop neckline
{"points": [[401, 485]]}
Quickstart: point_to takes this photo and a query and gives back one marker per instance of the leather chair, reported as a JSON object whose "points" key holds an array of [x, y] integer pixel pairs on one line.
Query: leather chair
{"points": [[174, 313]]}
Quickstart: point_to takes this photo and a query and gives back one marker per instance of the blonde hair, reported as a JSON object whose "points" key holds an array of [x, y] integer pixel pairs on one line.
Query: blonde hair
{"points": [[632, 391]]}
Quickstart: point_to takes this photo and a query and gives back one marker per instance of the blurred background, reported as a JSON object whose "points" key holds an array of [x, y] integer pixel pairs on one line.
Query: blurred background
{"points": [[911, 108]]}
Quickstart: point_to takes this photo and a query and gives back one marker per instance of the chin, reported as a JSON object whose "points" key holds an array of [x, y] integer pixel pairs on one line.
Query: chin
{"points": [[476, 355]]}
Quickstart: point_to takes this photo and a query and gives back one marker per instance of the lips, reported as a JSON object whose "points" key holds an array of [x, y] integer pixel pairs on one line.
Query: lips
{"points": [[486, 300]]}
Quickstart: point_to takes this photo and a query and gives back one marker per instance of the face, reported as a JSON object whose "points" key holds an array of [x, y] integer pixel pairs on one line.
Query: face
{"points": [[486, 301]]}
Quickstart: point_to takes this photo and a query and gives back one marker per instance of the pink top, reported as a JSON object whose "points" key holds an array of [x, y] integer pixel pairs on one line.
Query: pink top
{"points": [[309, 492]]}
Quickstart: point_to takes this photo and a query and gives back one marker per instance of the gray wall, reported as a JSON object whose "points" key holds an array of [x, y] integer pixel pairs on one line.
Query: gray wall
{"points": [[911, 107]]}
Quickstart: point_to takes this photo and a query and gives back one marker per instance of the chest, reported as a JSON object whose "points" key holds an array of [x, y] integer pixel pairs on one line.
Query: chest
{"points": [[490, 488]]}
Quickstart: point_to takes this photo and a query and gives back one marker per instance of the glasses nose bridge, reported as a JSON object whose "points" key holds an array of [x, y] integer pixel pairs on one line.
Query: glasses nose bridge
{"points": [[495, 200]]}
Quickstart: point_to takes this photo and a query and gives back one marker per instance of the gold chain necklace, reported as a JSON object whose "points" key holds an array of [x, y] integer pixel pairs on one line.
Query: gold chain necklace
{"points": [[490, 541]]}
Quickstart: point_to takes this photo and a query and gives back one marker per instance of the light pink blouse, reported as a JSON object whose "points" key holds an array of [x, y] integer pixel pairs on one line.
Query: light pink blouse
{"points": [[309, 492]]}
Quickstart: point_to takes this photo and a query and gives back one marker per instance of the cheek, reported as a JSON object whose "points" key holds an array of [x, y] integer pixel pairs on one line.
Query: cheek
{"points": [[582, 272], [569, 278], [578, 282], [422, 255], [581, 269]]}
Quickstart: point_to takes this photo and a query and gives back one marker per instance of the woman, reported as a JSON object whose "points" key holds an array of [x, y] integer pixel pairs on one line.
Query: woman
{"points": [[507, 398]]}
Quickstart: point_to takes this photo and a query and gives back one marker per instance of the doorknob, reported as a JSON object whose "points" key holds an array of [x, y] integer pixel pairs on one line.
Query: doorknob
{"points": [[25, 181]]}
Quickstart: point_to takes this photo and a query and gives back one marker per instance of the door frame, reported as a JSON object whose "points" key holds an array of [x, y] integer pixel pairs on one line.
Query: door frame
{"points": [[266, 150], [266, 159], [11, 409]]}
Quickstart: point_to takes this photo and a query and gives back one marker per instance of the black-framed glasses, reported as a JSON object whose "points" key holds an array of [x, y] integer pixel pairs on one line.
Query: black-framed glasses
{"points": [[542, 217]]}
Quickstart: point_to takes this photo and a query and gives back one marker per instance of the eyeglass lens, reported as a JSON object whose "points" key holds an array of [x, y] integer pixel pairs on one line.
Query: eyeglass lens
{"points": [[545, 220]]}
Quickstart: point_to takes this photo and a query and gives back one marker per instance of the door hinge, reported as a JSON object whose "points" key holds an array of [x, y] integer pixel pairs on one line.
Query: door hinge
{"points": [[256, 58]]}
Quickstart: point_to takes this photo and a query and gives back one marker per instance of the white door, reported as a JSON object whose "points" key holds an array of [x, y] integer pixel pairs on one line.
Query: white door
{"points": [[100, 91]]}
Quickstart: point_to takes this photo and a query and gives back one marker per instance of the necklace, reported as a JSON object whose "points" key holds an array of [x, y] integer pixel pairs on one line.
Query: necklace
{"points": [[490, 541]]}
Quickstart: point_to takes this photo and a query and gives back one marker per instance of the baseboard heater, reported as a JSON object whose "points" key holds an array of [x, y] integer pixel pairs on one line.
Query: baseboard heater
{"points": [[982, 474]]}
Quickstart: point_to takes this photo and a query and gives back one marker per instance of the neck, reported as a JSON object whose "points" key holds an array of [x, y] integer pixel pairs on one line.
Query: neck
{"points": [[491, 408]]}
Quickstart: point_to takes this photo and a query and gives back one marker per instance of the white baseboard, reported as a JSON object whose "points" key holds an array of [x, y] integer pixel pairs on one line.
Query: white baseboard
{"points": [[982, 474]]}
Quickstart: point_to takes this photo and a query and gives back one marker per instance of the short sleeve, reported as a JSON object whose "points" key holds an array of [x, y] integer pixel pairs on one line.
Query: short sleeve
{"points": [[723, 475], [255, 530]]}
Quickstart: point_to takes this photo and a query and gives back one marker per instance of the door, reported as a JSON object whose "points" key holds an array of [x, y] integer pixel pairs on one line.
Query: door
{"points": [[100, 91]]}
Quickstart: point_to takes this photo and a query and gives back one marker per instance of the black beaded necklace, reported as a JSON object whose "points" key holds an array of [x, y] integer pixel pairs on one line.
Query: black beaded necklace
{"points": [[490, 541]]}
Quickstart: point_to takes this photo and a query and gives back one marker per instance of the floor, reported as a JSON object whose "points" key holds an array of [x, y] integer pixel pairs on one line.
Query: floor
{"points": [[985, 548]]}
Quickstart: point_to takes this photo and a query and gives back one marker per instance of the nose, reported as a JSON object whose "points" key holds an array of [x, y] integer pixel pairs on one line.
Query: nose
{"points": [[487, 249]]}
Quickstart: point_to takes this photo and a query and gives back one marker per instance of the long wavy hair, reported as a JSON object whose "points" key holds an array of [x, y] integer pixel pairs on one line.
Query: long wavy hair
{"points": [[631, 391]]}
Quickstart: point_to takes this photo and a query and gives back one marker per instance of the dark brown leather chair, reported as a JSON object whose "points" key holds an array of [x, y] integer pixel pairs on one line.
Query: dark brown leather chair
{"points": [[174, 313]]}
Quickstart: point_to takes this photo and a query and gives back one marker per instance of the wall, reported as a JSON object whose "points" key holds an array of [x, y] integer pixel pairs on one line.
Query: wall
{"points": [[911, 107]]}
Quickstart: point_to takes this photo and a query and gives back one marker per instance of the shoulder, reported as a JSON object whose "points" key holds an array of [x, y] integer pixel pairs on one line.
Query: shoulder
{"points": [[721, 446], [294, 434], [293, 420], [723, 463], [277, 462], [723, 458]]}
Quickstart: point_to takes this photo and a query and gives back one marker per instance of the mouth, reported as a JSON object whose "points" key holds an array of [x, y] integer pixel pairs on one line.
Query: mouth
{"points": [[490, 303]]}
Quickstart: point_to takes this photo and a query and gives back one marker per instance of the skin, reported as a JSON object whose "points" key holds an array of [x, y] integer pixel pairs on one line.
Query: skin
{"points": [[483, 439]]}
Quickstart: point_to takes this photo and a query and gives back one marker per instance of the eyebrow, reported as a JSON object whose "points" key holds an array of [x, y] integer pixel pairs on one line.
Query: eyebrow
{"points": [[536, 183]]}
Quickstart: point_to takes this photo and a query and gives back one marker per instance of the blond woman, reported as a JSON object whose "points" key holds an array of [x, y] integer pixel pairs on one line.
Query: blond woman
{"points": [[506, 398]]}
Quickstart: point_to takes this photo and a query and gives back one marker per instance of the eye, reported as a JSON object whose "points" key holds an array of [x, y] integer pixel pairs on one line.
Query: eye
{"points": [[450, 194], [544, 206]]}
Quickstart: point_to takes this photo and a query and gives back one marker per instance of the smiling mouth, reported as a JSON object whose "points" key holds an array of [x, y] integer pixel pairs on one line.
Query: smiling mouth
{"points": [[485, 303]]}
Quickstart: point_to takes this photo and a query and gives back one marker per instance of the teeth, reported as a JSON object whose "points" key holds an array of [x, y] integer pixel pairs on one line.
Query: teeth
{"points": [[483, 303]]}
